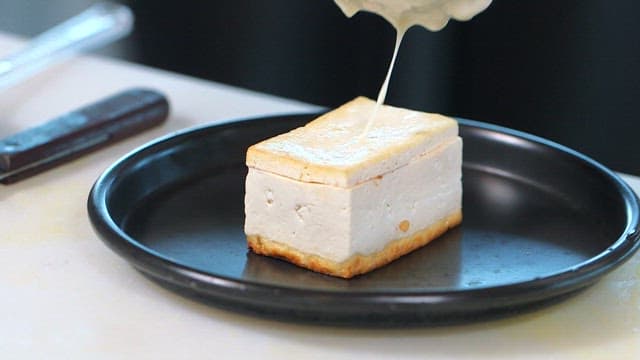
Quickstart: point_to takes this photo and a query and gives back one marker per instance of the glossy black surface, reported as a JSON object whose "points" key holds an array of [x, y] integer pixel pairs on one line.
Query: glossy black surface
{"points": [[541, 222]]}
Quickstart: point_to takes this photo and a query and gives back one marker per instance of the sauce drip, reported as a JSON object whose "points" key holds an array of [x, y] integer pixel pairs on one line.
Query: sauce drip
{"points": [[403, 14], [382, 94]]}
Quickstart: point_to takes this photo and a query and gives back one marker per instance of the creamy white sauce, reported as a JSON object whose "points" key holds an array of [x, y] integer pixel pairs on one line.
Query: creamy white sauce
{"points": [[403, 14]]}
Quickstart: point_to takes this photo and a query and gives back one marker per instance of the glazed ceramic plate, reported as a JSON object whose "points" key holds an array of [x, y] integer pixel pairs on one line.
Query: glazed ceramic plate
{"points": [[540, 223]]}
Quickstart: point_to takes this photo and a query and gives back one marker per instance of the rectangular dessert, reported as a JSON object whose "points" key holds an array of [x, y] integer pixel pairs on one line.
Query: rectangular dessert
{"points": [[332, 199]]}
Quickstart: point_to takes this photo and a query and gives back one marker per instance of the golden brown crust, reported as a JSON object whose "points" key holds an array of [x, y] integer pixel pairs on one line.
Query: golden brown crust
{"points": [[357, 264], [327, 150]]}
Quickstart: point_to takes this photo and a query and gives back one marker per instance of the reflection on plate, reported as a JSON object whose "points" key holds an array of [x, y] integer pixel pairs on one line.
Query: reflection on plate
{"points": [[540, 223]]}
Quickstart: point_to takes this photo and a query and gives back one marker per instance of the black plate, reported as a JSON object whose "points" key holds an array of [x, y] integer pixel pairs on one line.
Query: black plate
{"points": [[541, 222]]}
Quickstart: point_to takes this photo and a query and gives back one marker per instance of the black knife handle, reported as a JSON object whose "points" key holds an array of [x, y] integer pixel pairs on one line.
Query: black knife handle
{"points": [[81, 131]]}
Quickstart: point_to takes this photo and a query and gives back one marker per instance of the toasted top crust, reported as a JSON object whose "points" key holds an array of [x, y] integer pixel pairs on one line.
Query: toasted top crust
{"points": [[334, 150]]}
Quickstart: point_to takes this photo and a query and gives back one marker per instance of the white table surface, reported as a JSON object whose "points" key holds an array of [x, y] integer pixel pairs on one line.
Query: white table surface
{"points": [[64, 294]]}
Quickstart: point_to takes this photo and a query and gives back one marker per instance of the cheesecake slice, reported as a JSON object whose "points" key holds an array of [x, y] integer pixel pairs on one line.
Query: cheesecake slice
{"points": [[333, 199]]}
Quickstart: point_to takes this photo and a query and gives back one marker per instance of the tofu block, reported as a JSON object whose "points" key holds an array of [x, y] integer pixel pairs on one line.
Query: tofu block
{"points": [[333, 199]]}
